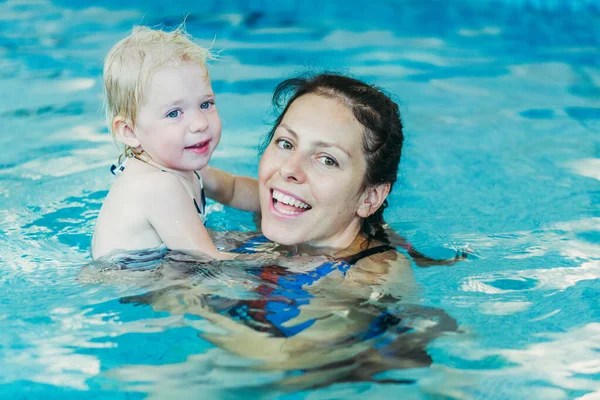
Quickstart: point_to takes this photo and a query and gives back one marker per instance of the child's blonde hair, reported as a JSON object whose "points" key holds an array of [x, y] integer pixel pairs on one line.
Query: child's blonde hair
{"points": [[131, 63]]}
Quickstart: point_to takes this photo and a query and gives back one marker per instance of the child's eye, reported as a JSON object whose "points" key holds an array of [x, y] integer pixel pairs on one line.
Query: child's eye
{"points": [[207, 104], [328, 161], [174, 114], [284, 144]]}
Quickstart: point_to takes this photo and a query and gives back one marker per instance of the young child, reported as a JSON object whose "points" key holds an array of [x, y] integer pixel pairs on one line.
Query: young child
{"points": [[161, 107]]}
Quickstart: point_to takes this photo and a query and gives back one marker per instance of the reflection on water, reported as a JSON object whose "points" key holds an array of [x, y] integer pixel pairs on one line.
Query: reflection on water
{"points": [[291, 328], [562, 365], [501, 106]]}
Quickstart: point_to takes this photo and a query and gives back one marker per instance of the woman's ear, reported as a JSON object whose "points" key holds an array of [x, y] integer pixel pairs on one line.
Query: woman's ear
{"points": [[124, 132], [373, 198]]}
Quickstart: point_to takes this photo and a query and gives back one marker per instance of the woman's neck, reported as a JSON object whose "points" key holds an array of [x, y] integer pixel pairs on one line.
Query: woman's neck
{"points": [[359, 243]]}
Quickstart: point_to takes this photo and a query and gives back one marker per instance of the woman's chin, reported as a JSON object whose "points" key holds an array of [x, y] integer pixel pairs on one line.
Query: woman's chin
{"points": [[280, 236]]}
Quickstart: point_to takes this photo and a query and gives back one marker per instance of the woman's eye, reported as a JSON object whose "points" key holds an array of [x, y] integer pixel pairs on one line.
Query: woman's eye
{"points": [[174, 114], [284, 144], [328, 161], [206, 105]]}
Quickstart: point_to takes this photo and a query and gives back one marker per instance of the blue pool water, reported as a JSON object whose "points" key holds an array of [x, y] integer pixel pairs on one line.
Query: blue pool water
{"points": [[501, 103]]}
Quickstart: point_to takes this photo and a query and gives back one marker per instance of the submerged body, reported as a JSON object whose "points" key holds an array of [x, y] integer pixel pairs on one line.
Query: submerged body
{"points": [[329, 301], [319, 319]]}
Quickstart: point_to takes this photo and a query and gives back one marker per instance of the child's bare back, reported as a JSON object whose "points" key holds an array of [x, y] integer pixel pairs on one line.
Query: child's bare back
{"points": [[141, 198], [161, 107]]}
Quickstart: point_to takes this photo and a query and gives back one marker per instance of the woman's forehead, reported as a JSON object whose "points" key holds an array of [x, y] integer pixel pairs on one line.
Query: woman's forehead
{"points": [[327, 119]]}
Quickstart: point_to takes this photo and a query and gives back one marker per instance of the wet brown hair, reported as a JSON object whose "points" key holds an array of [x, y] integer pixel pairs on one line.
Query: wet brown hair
{"points": [[376, 112]]}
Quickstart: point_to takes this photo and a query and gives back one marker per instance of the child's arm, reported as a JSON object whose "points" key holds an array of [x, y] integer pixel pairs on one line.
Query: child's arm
{"points": [[240, 192], [172, 214]]}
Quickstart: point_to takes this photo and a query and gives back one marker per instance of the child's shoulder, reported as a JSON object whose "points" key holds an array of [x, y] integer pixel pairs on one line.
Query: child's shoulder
{"points": [[145, 179]]}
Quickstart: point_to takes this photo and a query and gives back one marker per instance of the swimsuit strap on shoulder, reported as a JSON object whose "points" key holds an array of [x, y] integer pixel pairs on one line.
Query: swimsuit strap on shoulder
{"points": [[116, 169], [199, 179], [200, 208], [366, 253], [182, 180]]}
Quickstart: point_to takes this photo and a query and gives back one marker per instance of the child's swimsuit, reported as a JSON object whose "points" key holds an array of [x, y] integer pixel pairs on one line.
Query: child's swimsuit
{"points": [[115, 170], [282, 294], [202, 208]]}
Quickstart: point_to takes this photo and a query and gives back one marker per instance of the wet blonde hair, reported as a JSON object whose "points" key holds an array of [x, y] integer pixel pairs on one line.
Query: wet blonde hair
{"points": [[131, 63]]}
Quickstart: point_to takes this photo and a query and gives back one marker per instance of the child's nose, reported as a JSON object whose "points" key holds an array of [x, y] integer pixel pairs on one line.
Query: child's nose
{"points": [[199, 122]]}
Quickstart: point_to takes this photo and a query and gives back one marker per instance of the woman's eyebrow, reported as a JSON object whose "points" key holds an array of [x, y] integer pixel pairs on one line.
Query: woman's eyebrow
{"points": [[321, 143], [318, 143], [290, 130]]}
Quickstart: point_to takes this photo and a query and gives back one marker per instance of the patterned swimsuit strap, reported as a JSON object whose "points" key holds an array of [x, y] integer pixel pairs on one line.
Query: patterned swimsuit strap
{"points": [[200, 208]]}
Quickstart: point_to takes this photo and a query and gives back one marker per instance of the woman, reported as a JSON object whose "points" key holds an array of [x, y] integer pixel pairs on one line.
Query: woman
{"points": [[333, 154], [328, 166]]}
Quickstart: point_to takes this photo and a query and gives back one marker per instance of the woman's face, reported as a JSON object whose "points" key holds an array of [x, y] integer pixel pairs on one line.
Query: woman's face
{"points": [[311, 175]]}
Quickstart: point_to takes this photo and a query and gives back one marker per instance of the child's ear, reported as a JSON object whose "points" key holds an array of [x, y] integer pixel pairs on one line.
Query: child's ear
{"points": [[373, 198], [124, 132]]}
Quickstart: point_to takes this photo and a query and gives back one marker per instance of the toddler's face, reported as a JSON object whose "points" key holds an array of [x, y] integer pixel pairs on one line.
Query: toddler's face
{"points": [[178, 125]]}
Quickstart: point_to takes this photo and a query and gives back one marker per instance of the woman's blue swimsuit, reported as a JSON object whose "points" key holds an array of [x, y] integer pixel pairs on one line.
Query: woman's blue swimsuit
{"points": [[283, 292]]}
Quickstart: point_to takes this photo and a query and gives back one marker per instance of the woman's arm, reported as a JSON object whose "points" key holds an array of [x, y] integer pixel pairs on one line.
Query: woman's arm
{"points": [[240, 192]]}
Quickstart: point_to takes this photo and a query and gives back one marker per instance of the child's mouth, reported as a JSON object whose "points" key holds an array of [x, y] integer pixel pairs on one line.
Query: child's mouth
{"points": [[199, 148]]}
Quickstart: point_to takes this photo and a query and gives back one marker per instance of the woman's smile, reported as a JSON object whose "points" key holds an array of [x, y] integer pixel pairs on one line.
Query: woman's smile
{"points": [[311, 175], [286, 205]]}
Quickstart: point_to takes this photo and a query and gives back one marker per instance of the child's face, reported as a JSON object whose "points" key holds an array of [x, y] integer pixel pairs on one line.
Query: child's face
{"points": [[315, 164], [178, 125]]}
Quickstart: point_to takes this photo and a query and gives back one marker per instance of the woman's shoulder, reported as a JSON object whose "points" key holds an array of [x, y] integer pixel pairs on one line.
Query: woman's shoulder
{"points": [[381, 261], [370, 254], [384, 265]]}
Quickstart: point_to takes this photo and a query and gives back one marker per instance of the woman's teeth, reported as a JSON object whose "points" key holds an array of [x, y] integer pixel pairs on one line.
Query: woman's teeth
{"points": [[285, 199]]}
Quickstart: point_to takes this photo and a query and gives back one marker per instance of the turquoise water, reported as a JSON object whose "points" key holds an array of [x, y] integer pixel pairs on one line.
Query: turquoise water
{"points": [[501, 103]]}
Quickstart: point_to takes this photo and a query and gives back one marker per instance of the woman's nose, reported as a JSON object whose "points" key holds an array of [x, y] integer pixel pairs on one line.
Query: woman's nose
{"points": [[293, 169], [199, 122]]}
